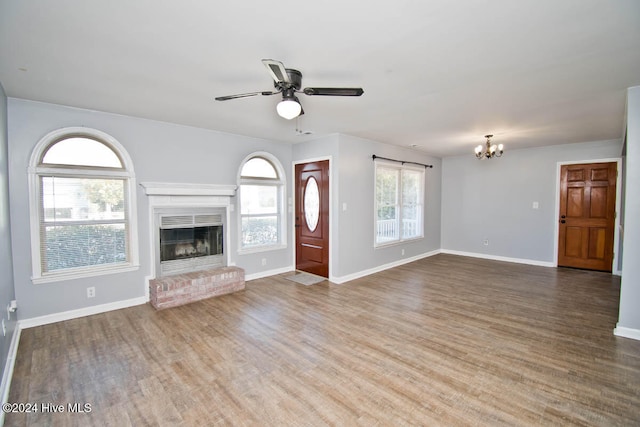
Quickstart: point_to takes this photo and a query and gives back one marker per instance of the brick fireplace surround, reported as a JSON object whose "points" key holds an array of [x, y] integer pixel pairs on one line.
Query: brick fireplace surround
{"points": [[172, 291]]}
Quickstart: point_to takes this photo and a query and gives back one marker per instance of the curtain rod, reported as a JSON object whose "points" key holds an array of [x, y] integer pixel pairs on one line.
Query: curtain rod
{"points": [[374, 157]]}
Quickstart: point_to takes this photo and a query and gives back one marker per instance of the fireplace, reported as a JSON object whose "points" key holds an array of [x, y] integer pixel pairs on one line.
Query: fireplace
{"points": [[190, 240]]}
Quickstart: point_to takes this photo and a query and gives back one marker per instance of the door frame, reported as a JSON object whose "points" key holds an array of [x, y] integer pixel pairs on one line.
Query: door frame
{"points": [[616, 231], [292, 208]]}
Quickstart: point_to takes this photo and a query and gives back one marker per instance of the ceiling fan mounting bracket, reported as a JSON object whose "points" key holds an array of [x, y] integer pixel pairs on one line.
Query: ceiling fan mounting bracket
{"points": [[295, 81]]}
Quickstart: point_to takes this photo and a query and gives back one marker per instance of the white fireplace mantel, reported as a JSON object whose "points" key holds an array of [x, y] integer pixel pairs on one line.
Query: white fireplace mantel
{"points": [[182, 189], [182, 194]]}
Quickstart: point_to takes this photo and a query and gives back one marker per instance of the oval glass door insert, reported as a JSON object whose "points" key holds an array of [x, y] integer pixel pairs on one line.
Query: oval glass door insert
{"points": [[312, 204]]}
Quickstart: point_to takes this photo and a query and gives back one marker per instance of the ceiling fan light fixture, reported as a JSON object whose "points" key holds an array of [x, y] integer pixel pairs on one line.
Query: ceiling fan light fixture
{"points": [[289, 109]]}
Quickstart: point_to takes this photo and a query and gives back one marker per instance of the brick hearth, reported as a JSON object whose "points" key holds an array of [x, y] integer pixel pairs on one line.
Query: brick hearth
{"points": [[172, 291]]}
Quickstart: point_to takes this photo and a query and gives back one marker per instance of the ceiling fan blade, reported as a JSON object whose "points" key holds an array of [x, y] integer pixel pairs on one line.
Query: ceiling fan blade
{"points": [[334, 91], [277, 70], [243, 95]]}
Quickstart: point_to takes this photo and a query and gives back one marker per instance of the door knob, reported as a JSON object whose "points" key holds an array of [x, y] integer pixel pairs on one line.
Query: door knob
{"points": [[563, 216], [562, 221]]}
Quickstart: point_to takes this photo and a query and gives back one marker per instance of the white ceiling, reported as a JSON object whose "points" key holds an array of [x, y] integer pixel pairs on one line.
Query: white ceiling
{"points": [[437, 74]]}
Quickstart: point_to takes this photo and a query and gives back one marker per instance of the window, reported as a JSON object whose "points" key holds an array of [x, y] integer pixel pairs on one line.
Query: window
{"points": [[82, 220], [261, 184], [398, 203]]}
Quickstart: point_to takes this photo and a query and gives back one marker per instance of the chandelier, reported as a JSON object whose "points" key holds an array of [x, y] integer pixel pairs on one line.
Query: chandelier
{"points": [[490, 150]]}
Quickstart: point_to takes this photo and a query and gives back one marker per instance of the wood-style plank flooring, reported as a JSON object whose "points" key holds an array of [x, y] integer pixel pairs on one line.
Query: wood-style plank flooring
{"points": [[446, 340]]}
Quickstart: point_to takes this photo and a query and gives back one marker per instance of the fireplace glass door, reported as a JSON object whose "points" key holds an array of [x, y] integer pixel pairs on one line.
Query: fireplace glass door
{"points": [[193, 242]]}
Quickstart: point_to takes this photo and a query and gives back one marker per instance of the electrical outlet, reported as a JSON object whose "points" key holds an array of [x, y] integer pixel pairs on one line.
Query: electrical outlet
{"points": [[91, 292], [264, 261], [403, 252], [485, 242]]}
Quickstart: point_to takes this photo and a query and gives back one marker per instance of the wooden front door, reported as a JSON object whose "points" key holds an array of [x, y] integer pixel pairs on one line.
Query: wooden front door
{"points": [[587, 215], [312, 217]]}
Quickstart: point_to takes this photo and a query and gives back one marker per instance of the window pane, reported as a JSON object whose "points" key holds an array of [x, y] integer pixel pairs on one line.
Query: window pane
{"points": [[387, 224], [411, 187], [259, 231], [72, 246], [387, 230], [77, 199], [79, 151], [411, 203], [411, 221], [258, 199], [258, 167], [312, 204], [386, 186]]}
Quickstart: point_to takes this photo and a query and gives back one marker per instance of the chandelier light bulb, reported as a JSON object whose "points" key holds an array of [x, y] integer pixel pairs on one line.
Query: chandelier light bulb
{"points": [[288, 109]]}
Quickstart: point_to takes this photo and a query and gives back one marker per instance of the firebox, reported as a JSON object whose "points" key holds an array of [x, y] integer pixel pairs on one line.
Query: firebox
{"points": [[180, 243], [190, 242]]}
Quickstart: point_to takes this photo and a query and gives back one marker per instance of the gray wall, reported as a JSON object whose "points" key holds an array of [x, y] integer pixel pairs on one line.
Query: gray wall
{"points": [[629, 316], [6, 265], [160, 152], [353, 184], [493, 199]]}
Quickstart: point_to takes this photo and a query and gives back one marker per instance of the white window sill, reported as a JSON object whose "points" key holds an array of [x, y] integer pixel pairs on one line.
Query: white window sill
{"points": [[396, 242], [82, 273], [269, 248]]}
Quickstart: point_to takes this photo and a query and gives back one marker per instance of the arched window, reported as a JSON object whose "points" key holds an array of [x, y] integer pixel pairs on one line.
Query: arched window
{"points": [[261, 191], [82, 209]]}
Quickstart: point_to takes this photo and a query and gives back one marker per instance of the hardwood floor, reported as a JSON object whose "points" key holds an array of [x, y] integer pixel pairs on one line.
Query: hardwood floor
{"points": [[446, 340]]}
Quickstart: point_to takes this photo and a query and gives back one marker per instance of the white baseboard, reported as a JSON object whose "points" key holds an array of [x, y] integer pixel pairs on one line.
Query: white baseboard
{"points": [[621, 331], [8, 368], [268, 273], [500, 258], [342, 279], [82, 312]]}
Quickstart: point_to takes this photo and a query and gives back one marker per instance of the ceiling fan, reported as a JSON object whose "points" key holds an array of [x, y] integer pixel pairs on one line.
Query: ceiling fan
{"points": [[288, 82]]}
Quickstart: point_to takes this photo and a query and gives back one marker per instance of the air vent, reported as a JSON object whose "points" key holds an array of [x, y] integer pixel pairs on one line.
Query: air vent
{"points": [[185, 221], [176, 221], [207, 219]]}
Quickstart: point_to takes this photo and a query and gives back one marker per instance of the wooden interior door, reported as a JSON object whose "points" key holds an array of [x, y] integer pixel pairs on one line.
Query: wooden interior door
{"points": [[587, 215], [312, 217]]}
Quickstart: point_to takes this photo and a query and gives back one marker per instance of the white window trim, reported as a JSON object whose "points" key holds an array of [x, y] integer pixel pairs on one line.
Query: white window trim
{"points": [[282, 213], [34, 172], [401, 240]]}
